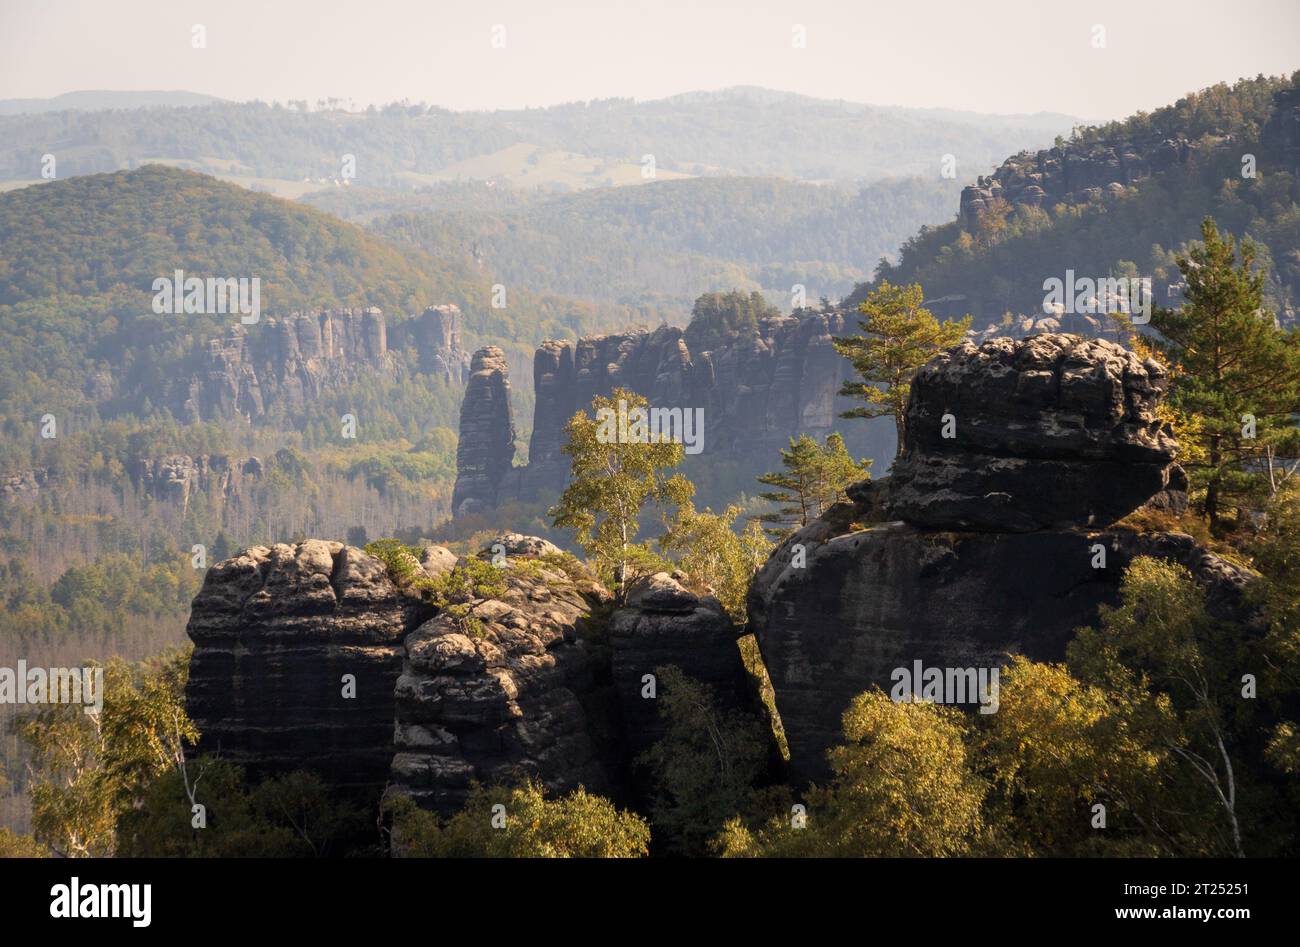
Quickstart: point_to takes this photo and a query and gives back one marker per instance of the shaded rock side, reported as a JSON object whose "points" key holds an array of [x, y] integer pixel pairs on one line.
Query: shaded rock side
{"points": [[1044, 432], [503, 691], [276, 630], [486, 450], [755, 394], [870, 601], [662, 624]]}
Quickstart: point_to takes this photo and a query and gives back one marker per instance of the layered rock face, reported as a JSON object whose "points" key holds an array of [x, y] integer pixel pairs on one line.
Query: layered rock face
{"points": [[1053, 430], [979, 547], [297, 649], [663, 624], [486, 449], [755, 395], [178, 477], [292, 360], [1071, 175], [503, 690]]}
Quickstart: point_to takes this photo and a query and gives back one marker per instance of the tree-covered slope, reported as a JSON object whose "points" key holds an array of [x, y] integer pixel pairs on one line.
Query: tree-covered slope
{"points": [[666, 242], [998, 257], [737, 131]]}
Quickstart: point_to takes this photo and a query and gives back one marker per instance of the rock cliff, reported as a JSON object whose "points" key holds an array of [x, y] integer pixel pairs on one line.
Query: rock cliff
{"points": [[290, 361], [755, 394], [296, 652], [996, 542], [501, 687], [485, 451], [1071, 174]]}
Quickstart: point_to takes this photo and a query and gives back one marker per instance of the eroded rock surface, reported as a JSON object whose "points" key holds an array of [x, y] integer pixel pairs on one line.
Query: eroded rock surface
{"points": [[982, 545], [486, 449], [277, 630], [503, 689], [1048, 431], [663, 623]]}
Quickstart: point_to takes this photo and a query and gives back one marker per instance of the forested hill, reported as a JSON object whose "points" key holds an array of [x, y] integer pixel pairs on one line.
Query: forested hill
{"points": [[1124, 199], [739, 131], [668, 241], [78, 258], [90, 235]]}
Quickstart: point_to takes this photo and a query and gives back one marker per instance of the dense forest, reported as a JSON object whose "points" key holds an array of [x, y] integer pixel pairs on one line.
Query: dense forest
{"points": [[999, 265], [663, 243], [739, 131]]}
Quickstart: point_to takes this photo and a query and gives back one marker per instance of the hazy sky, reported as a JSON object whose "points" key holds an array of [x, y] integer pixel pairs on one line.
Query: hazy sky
{"points": [[984, 55]]}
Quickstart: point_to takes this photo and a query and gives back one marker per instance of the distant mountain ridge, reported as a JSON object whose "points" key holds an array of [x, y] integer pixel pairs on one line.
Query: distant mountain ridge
{"points": [[735, 132], [92, 100], [1123, 199]]}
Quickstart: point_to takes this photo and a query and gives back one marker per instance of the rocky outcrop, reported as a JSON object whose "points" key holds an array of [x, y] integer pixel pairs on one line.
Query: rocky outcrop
{"points": [[290, 360], [497, 688], [992, 543], [297, 649], [755, 394], [1071, 174], [861, 604], [178, 477], [486, 450], [1054, 430], [665, 624]]}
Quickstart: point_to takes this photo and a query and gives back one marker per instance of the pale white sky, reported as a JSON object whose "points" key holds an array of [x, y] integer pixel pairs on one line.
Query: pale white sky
{"points": [[990, 56]]}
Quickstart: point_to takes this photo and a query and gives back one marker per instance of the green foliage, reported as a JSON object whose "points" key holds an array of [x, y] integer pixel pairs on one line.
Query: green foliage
{"points": [[289, 816], [1231, 364], [899, 335], [814, 478], [88, 769], [531, 825], [1162, 650], [611, 479], [719, 562], [902, 787], [718, 319], [401, 561], [13, 845], [705, 767], [1138, 226]]}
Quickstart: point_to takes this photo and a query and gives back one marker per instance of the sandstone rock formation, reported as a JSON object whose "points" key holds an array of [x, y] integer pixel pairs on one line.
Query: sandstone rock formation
{"points": [[662, 624], [503, 687], [1054, 430], [277, 632], [291, 360], [756, 394], [486, 450], [979, 547], [1071, 174], [178, 477]]}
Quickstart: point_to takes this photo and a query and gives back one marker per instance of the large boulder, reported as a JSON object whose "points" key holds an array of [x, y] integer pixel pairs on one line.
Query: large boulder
{"points": [[497, 688], [979, 546], [296, 652], [840, 618], [663, 623], [1015, 435]]}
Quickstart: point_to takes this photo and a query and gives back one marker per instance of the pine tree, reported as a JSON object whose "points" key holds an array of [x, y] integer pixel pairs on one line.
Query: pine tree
{"points": [[1236, 374], [815, 476], [899, 336]]}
